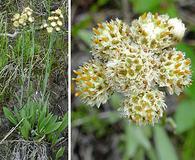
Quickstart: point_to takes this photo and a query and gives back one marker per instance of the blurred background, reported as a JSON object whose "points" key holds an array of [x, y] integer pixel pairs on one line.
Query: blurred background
{"points": [[100, 134]]}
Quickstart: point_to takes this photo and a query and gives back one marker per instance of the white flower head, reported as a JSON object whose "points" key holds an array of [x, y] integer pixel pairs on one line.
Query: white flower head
{"points": [[53, 24], [55, 21], [156, 32], [178, 28], [108, 36], [130, 70], [91, 84], [20, 20], [57, 29], [31, 19], [135, 61], [16, 17], [174, 71], [49, 29], [144, 108], [16, 24]]}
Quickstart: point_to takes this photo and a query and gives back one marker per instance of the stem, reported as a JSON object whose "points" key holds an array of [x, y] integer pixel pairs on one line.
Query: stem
{"points": [[48, 65], [32, 58], [22, 69]]}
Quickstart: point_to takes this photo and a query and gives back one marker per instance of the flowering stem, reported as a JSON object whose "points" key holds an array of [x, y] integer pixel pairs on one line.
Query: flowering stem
{"points": [[48, 64]]}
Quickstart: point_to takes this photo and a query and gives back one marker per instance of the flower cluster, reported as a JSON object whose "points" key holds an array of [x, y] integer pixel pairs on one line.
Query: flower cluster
{"points": [[24, 18], [54, 22], [135, 60], [92, 85]]}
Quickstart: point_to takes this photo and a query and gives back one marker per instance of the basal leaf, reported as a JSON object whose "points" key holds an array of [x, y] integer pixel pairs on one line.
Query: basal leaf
{"points": [[164, 147], [9, 115], [185, 116], [60, 153]]}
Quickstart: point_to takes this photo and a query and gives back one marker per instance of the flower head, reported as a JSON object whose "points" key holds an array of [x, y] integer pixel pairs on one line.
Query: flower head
{"points": [[177, 28], [131, 70], [108, 36], [156, 32], [174, 71], [136, 61], [91, 84], [54, 22], [144, 108], [20, 20]]}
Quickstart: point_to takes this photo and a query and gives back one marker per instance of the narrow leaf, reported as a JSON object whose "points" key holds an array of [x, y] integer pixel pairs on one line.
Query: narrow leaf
{"points": [[52, 127], [25, 129], [60, 153], [164, 147], [9, 115], [64, 123]]}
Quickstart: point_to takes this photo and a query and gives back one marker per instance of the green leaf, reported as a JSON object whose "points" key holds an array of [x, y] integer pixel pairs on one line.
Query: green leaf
{"points": [[141, 137], [9, 115], [115, 100], [64, 123], [188, 146], [23, 113], [85, 36], [51, 122], [102, 2], [135, 137], [53, 138], [33, 110], [27, 111], [184, 116], [18, 116], [25, 129], [60, 153], [45, 122], [42, 115], [131, 144], [141, 6], [164, 147], [52, 127]]}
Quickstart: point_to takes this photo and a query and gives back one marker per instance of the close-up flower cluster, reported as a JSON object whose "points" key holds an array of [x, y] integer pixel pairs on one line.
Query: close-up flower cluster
{"points": [[137, 61], [54, 22], [20, 20]]}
